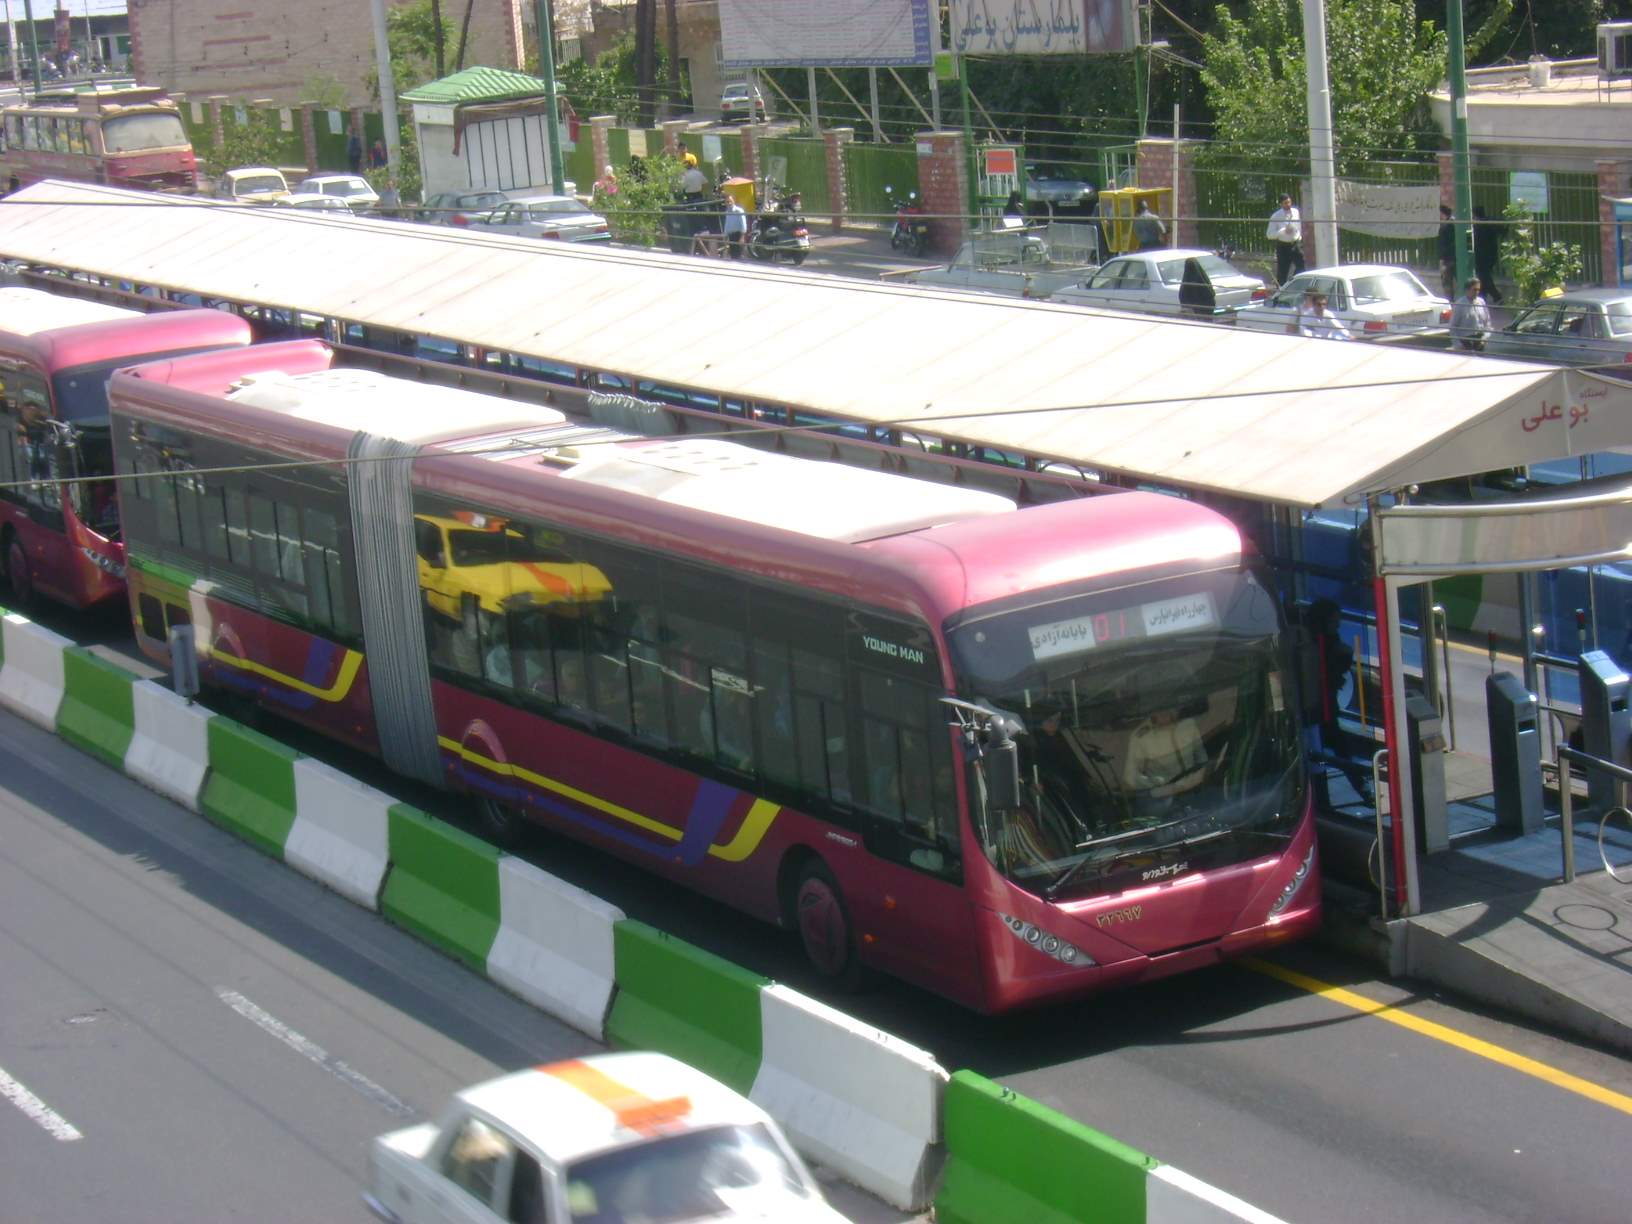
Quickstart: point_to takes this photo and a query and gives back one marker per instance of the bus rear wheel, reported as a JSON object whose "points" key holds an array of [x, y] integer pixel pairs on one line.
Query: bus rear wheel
{"points": [[823, 922], [18, 578]]}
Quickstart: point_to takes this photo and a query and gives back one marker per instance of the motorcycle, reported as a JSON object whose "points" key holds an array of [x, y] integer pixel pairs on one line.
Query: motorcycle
{"points": [[779, 232], [911, 229]]}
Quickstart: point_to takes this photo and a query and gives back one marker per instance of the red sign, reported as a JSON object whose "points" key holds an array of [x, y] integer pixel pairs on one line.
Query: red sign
{"points": [[1000, 162]]}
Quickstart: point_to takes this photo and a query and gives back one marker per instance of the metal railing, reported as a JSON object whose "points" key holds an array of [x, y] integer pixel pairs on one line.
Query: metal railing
{"points": [[1566, 807], [1379, 774]]}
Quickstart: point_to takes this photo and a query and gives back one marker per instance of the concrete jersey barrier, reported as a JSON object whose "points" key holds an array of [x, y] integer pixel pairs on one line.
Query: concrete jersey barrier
{"points": [[31, 670], [97, 714], [687, 1003], [555, 946], [341, 834], [170, 747], [443, 885], [858, 1100], [251, 786], [1010, 1158]]}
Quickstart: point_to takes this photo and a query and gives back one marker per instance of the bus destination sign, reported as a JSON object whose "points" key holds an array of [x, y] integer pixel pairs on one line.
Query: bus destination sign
{"points": [[1082, 633]]}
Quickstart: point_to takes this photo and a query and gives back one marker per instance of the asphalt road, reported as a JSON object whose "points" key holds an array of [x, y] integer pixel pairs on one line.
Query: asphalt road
{"points": [[1299, 1104]]}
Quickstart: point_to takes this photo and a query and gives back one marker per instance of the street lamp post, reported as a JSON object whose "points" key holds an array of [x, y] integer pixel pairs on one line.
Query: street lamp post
{"points": [[1460, 173]]}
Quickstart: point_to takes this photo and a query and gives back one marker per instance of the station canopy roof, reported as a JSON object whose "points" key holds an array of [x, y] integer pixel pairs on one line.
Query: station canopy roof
{"points": [[1270, 417]]}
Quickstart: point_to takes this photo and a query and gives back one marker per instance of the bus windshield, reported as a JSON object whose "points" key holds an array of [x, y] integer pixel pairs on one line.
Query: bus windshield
{"points": [[1158, 735], [82, 393], [149, 130]]}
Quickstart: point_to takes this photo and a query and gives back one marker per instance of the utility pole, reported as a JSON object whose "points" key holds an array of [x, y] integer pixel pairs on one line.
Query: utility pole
{"points": [[33, 43], [546, 65], [16, 63], [388, 93], [1460, 173], [1323, 179]]}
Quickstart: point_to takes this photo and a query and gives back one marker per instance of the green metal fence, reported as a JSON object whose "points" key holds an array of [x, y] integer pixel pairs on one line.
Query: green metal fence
{"points": [[868, 169], [1571, 216], [806, 168]]}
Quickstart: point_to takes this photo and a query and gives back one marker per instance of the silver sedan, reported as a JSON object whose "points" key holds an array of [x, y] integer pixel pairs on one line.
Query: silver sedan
{"points": [[1585, 327]]}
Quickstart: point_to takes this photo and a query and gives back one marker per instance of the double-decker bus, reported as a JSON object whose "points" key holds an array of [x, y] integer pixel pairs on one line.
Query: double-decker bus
{"points": [[126, 138], [59, 517], [1010, 754]]}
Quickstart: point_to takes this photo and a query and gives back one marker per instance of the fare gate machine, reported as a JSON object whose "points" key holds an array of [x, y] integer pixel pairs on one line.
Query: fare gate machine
{"points": [[1515, 753], [1606, 723], [1427, 748]]}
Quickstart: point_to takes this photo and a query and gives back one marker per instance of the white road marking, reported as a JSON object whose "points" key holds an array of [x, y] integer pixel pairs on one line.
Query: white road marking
{"points": [[37, 1111], [308, 1048]]}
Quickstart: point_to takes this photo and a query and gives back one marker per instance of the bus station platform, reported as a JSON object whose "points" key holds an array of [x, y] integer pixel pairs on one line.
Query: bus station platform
{"points": [[1499, 924]]}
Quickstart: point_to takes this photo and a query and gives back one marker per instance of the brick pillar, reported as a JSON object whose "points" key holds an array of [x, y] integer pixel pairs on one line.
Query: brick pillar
{"points": [[1170, 164], [1612, 185], [600, 140], [1447, 181], [943, 183], [671, 135], [751, 133], [218, 131], [308, 135], [838, 184]]}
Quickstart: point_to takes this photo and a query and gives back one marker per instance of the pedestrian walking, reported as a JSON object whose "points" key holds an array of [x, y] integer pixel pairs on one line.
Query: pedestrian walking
{"points": [[1286, 231], [1318, 323], [354, 153], [1447, 252], [607, 184], [1148, 230], [1470, 318], [377, 157], [390, 199], [736, 226], [1487, 251]]}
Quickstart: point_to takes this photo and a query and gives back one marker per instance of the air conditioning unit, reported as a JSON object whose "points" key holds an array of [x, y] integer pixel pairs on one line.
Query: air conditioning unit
{"points": [[1615, 50]]}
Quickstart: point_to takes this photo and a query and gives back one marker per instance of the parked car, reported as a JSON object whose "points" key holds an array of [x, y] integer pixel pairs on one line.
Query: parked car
{"points": [[1054, 187], [311, 201], [544, 216], [1015, 262], [740, 100], [252, 185], [351, 189], [459, 207], [1582, 327], [1371, 299], [1168, 282], [625, 1137]]}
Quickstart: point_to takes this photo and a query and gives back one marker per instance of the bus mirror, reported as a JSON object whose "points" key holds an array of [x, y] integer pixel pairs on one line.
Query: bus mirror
{"points": [[1003, 775]]}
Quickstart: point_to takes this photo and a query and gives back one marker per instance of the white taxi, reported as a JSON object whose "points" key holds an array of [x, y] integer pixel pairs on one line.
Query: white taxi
{"points": [[608, 1139]]}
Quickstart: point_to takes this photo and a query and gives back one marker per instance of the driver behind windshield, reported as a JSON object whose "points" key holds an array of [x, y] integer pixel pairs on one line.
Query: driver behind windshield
{"points": [[1165, 756]]}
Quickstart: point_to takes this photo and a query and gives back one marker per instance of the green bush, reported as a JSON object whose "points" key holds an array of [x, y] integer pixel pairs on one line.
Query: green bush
{"points": [[646, 184]]}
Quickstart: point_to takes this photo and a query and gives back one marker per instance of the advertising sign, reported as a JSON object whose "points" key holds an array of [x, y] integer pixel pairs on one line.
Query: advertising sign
{"points": [[1528, 187], [1044, 27], [831, 34]]}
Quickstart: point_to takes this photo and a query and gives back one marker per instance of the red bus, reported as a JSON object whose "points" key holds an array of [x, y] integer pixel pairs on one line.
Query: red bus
{"points": [[126, 138], [59, 523], [1011, 755]]}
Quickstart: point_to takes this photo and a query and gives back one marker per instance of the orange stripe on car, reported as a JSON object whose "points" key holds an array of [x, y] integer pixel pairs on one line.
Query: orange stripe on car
{"points": [[633, 1109]]}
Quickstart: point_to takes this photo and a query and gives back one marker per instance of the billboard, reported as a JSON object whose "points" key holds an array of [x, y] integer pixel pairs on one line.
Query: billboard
{"points": [[829, 34], [1044, 27]]}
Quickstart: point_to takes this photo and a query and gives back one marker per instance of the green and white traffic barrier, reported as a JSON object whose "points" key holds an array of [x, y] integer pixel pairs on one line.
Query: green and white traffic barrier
{"points": [[31, 670]]}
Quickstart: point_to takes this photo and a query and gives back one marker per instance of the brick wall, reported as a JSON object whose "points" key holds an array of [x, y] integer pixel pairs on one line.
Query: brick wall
{"points": [[283, 51], [944, 186], [1160, 164]]}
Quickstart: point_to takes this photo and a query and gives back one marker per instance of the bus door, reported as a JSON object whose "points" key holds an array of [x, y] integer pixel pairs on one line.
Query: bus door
{"points": [[34, 458]]}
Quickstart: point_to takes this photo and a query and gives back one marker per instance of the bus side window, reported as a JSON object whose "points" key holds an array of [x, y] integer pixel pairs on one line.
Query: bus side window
{"points": [[797, 682], [908, 771], [706, 643]]}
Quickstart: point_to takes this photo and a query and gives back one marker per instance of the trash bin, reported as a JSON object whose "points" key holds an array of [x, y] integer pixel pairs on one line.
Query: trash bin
{"points": [[1427, 748], [1606, 722], [1515, 752]]}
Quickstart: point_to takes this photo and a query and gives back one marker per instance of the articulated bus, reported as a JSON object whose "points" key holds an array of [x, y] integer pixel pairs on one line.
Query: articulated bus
{"points": [[59, 524], [1009, 754], [125, 138]]}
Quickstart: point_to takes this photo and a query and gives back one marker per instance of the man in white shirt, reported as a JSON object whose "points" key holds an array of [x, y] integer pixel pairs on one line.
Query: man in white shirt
{"points": [[1470, 317], [1286, 231], [1318, 323]]}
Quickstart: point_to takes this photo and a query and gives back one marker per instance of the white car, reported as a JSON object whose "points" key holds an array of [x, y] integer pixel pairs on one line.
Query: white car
{"points": [[352, 190], [739, 100], [252, 185], [609, 1138], [312, 202], [1371, 299], [544, 216], [1168, 282]]}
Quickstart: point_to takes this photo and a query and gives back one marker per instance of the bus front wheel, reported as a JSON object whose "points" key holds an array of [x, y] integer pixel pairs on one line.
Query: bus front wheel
{"points": [[18, 577], [823, 922], [500, 823]]}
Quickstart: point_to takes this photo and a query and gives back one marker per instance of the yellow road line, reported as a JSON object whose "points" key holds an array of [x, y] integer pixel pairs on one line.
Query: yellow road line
{"points": [[1439, 1032]]}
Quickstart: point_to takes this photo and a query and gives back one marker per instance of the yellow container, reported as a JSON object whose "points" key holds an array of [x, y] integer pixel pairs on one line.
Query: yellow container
{"points": [[741, 190], [1118, 206]]}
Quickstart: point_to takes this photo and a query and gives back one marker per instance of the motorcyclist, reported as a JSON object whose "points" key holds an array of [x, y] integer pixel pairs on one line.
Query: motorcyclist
{"points": [[693, 183]]}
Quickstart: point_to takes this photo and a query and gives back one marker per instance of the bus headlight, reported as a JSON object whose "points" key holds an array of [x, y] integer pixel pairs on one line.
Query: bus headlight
{"points": [[1295, 883], [1049, 944], [102, 562]]}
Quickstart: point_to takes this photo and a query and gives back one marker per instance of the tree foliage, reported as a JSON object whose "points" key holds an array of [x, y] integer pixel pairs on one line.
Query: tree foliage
{"points": [[411, 34], [1534, 267], [258, 141], [1380, 64], [635, 213]]}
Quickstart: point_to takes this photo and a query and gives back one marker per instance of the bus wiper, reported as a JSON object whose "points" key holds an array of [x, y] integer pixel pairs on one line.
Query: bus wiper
{"points": [[1106, 862]]}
